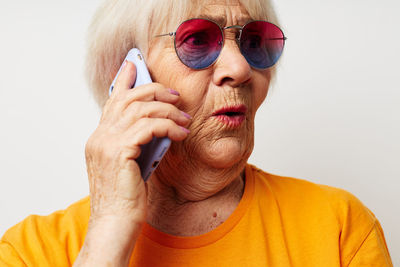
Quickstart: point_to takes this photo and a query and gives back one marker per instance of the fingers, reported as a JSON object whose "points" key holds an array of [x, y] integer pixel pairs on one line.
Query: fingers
{"points": [[155, 109], [131, 118], [153, 92], [126, 78], [149, 92], [137, 115], [147, 128], [123, 95]]}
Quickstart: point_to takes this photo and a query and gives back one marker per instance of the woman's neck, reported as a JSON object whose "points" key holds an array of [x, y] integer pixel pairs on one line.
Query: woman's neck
{"points": [[211, 198]]}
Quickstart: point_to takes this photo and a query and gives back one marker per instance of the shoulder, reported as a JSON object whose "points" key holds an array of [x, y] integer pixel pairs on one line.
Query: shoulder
{"points": [[331, 214], [305, 195], [60, 234]]}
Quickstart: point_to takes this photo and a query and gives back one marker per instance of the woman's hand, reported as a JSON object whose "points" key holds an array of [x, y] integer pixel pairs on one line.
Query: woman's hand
{"points": [[117, 191]]}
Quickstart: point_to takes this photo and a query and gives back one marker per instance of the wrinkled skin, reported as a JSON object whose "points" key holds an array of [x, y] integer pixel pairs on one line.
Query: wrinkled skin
{"points": [[199, 183], [213, 154]]}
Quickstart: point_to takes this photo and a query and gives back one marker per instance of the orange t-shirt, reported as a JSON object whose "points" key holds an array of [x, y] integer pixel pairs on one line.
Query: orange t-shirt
{"points": [[279, 221]]}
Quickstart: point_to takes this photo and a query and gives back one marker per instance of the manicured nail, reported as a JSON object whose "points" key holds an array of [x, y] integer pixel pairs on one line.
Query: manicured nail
{"points": [[172, 91], [187, 115], [184, 129]]}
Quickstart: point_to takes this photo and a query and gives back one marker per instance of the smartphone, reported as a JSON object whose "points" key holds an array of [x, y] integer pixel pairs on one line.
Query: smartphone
{"points": [[153, 152]]}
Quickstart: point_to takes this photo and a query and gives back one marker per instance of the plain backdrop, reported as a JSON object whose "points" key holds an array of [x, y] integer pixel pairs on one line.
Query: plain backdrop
{"points": [[332, 116]]}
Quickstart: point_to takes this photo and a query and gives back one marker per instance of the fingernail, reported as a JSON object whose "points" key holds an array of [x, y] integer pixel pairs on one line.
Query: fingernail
{"points": [[187, 115], [172, 91], [125, 63], [184, 129]]}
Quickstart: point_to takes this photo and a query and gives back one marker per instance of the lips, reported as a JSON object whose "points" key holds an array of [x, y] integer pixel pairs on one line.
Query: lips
{"points": [[232, 116]]}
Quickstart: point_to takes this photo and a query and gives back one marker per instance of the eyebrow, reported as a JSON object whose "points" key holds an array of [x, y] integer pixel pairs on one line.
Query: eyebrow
{"points": [[221, 20]]}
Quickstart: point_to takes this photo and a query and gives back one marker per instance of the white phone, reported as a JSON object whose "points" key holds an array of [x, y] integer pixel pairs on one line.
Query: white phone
{"points": [[152, 152]]}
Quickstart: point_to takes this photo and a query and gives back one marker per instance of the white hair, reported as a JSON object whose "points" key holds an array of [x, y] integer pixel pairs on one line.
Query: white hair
{"points": [[119, 25]]}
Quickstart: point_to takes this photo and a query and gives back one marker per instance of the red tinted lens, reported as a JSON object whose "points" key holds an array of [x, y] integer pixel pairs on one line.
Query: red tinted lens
{"points": [[261, 43], [198, 43]]}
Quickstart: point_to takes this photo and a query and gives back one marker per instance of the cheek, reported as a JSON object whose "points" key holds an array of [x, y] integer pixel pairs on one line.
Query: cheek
{"points": [[194, 93], [165, 68], [261, 88]]}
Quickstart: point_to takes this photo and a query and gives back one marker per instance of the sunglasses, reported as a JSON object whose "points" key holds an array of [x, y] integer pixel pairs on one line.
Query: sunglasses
{"points": [[198, 42]]}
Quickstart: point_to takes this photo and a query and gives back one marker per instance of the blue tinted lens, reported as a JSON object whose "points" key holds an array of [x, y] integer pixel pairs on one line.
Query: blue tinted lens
{"points": [[261, 43], [198, 43]]}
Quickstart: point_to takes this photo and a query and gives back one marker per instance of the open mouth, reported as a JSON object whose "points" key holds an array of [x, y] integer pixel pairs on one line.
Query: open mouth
{"points": [[231, 111], [232, 116]]}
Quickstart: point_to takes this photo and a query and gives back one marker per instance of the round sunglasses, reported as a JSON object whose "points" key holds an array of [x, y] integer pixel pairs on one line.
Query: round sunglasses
{"points": [[198, 42]]}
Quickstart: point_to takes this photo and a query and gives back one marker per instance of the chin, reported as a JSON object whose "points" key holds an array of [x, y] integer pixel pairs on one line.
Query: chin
{"points": [[226, 153]]}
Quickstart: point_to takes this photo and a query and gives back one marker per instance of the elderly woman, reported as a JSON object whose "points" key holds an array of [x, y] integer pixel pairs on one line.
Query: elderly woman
{"points": [[211, 63]]}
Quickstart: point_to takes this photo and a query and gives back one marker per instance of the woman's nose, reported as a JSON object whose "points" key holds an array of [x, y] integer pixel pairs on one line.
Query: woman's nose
{"points": [[231, 67]]}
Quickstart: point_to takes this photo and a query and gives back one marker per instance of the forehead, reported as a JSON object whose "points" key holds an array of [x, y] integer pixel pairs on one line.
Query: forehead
{"points": [[223, 12]]}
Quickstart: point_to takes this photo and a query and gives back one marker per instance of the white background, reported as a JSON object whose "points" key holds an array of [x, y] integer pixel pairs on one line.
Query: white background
{"points": [[332, 117]]}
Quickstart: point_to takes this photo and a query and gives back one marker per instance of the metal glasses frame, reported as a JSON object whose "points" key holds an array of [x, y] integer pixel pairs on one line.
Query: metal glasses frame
{"points": [[222, 29]]}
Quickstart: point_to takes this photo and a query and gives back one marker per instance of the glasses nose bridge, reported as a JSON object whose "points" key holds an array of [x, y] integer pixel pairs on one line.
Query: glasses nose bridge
{"points": [[240, 28]]}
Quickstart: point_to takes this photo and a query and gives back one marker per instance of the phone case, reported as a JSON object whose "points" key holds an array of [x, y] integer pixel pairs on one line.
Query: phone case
{"points": [[152, 152]]}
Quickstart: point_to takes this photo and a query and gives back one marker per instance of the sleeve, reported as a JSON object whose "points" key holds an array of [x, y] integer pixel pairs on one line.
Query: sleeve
{"points": [[33, 242], [8, 256], [373, 250], [52, 240]]}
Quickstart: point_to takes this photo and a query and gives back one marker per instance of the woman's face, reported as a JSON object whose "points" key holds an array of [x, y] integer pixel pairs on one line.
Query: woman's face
{"points": [[222, 99]]}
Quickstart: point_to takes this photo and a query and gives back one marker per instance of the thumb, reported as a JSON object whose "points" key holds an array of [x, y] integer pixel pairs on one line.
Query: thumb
{"points": [[127, 77]]}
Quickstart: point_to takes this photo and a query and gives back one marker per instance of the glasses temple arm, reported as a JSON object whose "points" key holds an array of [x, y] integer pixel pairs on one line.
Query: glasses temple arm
{"points": [[282, 38], [166, 34]]}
